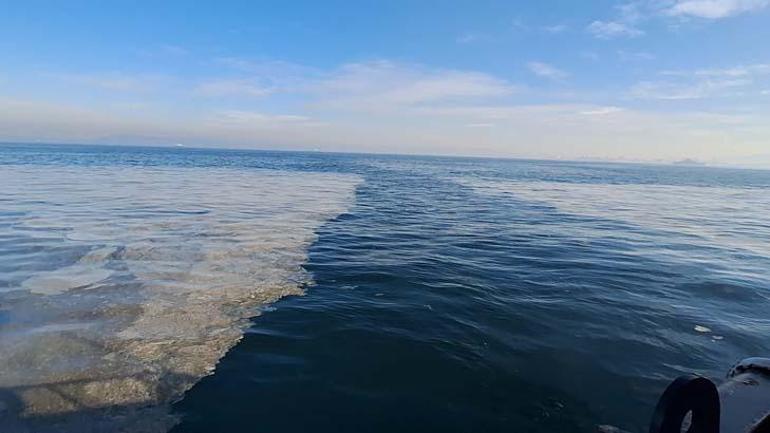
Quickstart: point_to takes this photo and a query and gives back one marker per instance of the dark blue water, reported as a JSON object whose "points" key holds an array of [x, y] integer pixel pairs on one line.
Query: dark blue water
{"points": [[464, 295]]}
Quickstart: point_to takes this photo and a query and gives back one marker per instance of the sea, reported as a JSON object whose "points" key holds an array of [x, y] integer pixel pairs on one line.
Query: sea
{"points": [[149, 289]]}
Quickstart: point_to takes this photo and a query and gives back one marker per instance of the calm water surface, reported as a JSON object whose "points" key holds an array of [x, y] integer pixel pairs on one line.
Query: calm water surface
{"points": [[470, 295]]}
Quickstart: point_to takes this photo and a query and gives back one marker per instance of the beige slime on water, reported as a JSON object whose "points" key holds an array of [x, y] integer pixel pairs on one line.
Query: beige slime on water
{"points": [[129, 284]]}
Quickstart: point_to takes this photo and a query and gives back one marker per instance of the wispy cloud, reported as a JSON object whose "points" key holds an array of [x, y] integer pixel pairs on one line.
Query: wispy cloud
{"points": [[601, 111], [116, 81], [278, 75], [632, 14], [172, 50], [635, 56], [472, 37], [556, 28], [714, 9], [754, 70], [624, 23], [377, 84], [558, 130], [252, 119], [519, 24], [232, 87], [163, 51], [668, 90], [383, 105], [613, 29], [702, 83], [544, 70], [467, 38]]}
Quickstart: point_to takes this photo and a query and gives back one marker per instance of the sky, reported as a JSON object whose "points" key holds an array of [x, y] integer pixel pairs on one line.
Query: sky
{"points": [[637, 80]]}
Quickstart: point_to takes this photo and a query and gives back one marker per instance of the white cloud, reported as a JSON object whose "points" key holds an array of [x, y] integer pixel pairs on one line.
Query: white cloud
{"points": [[632, 14], [625, 23], [118, 82], [601, 111], [634, 56], [574, 130], [668, 90], [33, 120], [613, 29], [173, 50], [471, 37], [519, 24], [556, 28], [558, 130], [702, 83], [240, 117], [163, 51], [466, 38], [378, 84], [278, 75], [544, 70], [714, 9], [507, 113], [232, 87], [736, 71], [386, 106]]}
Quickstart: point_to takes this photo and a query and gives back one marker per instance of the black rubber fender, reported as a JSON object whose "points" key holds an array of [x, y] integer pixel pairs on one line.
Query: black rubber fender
{"points": [[688, 394]]}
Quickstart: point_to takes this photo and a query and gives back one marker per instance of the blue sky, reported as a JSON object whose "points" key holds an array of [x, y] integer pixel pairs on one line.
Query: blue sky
{"points": [[637, 80]]}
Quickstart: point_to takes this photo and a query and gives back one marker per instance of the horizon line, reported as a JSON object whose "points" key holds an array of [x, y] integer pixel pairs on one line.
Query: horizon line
{"points": [[683, 162]]}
